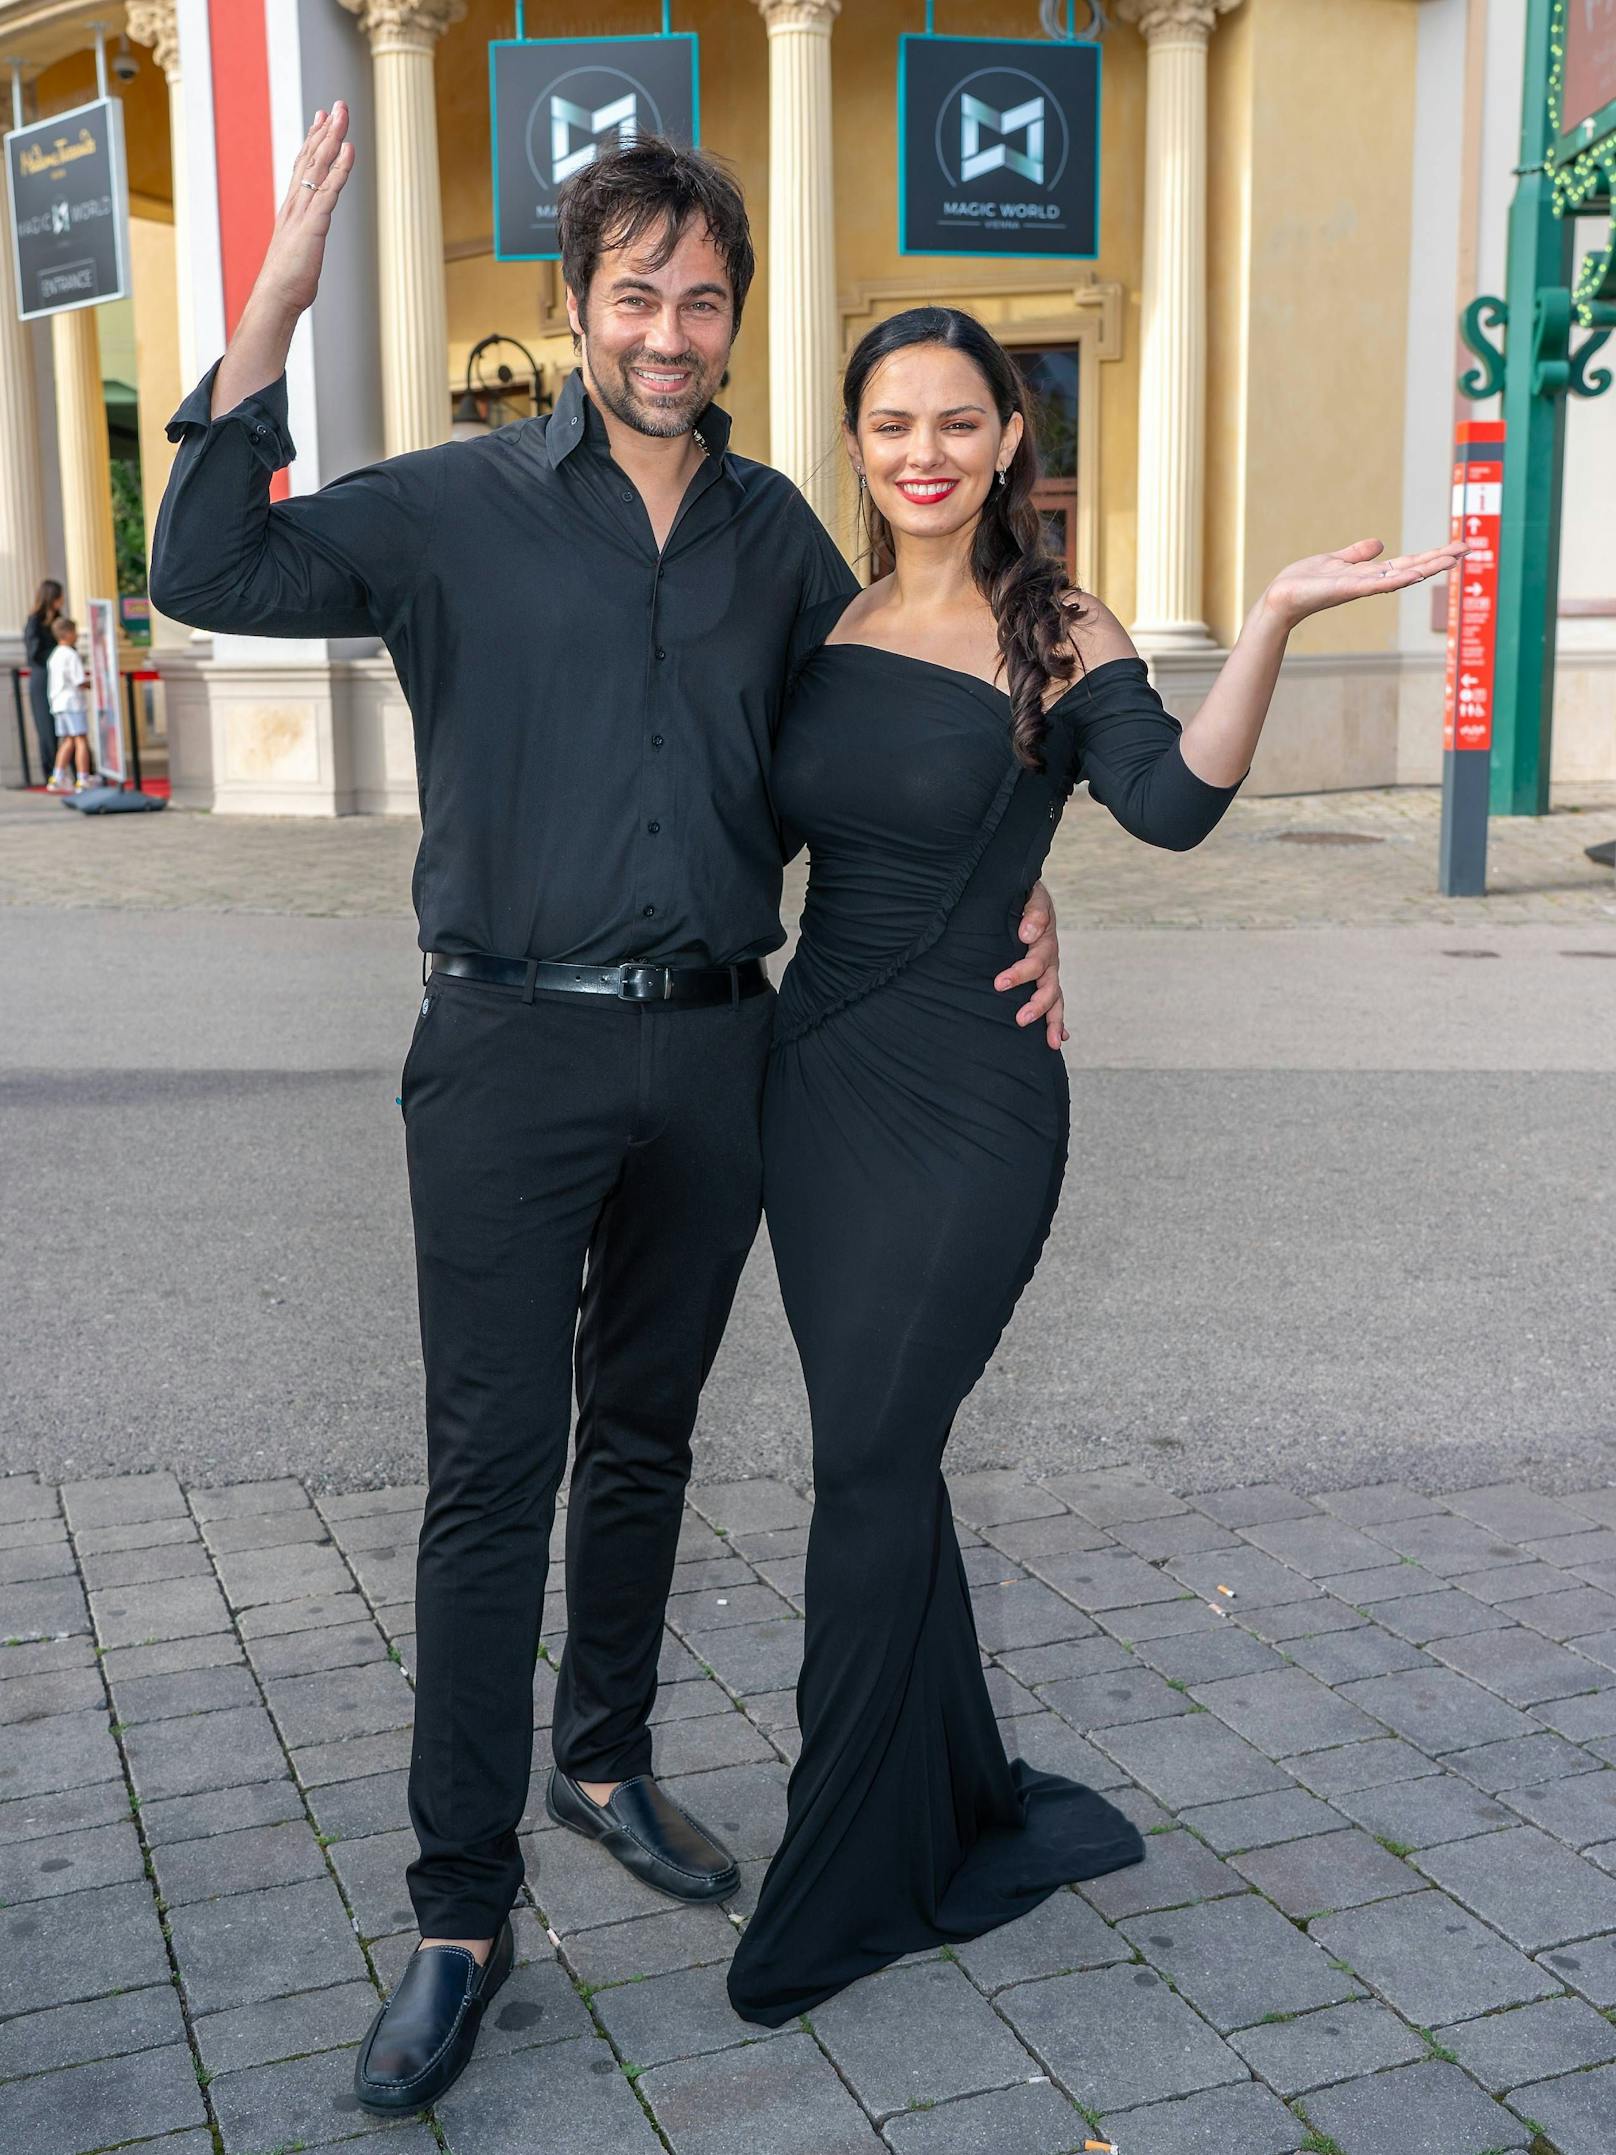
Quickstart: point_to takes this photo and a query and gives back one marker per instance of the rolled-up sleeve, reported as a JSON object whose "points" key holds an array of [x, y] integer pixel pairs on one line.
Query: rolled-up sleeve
{"points": [[1128, 749], [338, 562]]}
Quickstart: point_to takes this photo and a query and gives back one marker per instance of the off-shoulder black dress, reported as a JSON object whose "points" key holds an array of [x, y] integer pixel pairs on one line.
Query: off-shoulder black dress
{"points": [[914, 1142]]}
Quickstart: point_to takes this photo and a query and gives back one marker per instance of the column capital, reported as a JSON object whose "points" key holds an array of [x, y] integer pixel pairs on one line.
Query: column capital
{"points": [[155, 24], [405, 25], [1178, 18], [799, 14]]}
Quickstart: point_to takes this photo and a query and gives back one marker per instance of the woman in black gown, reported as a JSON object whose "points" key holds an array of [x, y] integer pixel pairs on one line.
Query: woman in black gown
{"points": [[915, 1135]]}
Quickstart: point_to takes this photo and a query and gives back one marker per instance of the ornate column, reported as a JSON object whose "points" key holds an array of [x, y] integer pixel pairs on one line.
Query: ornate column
{"points": [[84, 455], [804, 347], [22, 498], [403, 35], [154, 23], [1172, 383]]}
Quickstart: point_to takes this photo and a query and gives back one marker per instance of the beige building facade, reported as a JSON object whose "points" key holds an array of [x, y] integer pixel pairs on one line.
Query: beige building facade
{"points": [[1297, 197]]}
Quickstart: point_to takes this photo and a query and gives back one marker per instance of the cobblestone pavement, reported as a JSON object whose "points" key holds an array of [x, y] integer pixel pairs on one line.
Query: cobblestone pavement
{"points": [[1371, 1741], [1291, 860]]}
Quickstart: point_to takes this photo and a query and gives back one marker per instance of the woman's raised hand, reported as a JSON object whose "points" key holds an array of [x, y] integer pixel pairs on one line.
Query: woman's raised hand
{"points": [[290, 275], [1322, 580]]}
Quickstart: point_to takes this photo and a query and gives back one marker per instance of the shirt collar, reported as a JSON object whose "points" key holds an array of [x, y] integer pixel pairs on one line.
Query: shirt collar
{"points": [[575, 419]]}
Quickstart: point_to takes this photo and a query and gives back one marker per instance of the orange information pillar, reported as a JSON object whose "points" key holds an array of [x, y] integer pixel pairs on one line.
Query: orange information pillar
{"points": [[1467, 717]]}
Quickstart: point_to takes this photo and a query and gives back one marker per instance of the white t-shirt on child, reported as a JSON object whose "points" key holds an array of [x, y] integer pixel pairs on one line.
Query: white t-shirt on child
{"points": [[64, 681]]}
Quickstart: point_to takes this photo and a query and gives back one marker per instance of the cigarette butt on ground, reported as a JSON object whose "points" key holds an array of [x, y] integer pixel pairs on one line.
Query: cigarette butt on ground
{"points": [[1101, 2147], [1229, 1590], [554, 1940], [1218, 1609]]}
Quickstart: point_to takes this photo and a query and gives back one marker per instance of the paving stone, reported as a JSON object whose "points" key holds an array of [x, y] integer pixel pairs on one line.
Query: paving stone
{"points": [[1317, 1547], [1520, 1665], [1566, 1612], [370, 1870], [223, 1810], [1375, 1501], [1343, 1869], [37, 1560], [171, 1657], [1444, 1543], [1098, 1579], [1340, 1657], [250, 1500], [1187, 1759], [164, 1609], [1575, 2110], [1580, 1719], [782, 2095], [1338, 2042], [1172, 1536], [300, 2103], [1562, 2035], [1511, 1582], [1061, 1934], [1201, 1657], [1236, 1960], [1247, 2118], [1420, 1618], [1120, 1695], [53, 1691], [114, 1934], [244, 1861], [304, 1653], [1598, 1504], [1282, 1621], [750, 1507], [1599, 1646], [144, 1567], [1517, 1513], [1289, 1814], [1283, 1711], [538, 2005], [993, 1496], [351, 1758], [1177, 1869], [42, 1609], [1370, 1764], [366, 1503], [744, 1805], [42, 1657], [60, 1751], [1135, 1622], [1105, 1495], [89, 2106], [1431, 1959], [690, 1937], [1046, 1741], [1254, 1505], [1119, 2037], [68, 1861], [328, 1706], [1578, 1809], [134, 1534], [274, 1619], [1429, 2109], [256, 1945], [1520, 1762], [1034, 2119], [203, 1751], [1421, 1814], [254, 1578], [724, 1739], [580, 1887], [289, 2027], [1024, 1613], [1588, 1966], [1437, 1709], [186, 1691], [24, 1496], [1397, 1578], [1252, 1578], [1525, 1884], [684, 2014], [1059, 1534], [752, 1657], [122, 1499], [917, 2034], [95, 2028], [1576, 1552]]}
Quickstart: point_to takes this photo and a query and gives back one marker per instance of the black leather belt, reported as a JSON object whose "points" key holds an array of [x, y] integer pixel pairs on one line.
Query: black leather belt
{"points": [[630, 983]]}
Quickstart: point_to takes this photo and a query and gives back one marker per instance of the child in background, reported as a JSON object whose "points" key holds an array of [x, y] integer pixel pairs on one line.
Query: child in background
{"points": [[64, 678]]}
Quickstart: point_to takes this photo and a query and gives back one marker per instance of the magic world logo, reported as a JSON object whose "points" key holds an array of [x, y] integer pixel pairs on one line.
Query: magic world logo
{"points": [[1001, 120], [581, 116]]}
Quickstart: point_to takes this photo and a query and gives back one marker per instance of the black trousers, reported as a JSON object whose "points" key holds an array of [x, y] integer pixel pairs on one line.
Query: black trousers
{"points": [[578, 1166], [44, 724]]}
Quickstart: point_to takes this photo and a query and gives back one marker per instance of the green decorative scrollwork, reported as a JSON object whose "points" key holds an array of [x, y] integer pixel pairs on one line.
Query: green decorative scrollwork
{"points": [[1487, 380]]}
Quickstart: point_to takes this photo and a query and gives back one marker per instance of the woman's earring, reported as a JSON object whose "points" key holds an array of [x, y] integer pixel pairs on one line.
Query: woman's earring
{"points": [[861, 481], [1004, 475]]}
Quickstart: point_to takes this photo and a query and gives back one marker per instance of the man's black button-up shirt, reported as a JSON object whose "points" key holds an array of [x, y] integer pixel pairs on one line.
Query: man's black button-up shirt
{"points": [[593, 719]]}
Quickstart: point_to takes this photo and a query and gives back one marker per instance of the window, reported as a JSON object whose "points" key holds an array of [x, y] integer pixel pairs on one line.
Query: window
{"points": [[1052, 376]]}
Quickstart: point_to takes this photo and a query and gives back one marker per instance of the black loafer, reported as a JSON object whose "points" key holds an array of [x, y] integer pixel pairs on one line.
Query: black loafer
{"points": [[649, 1835], [422, 2038]]}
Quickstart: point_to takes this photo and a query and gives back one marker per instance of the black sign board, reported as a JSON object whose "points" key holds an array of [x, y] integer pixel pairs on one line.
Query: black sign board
{"points": [[558, 102], [998, 146], [69, 209]]}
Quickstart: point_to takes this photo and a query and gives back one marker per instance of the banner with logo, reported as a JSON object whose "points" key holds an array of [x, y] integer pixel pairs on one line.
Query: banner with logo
{"points": [[998, 146], [69, 209], [558, 102]]}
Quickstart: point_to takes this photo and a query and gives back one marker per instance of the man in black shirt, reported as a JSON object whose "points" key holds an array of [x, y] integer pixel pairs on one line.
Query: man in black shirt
{"points": [[593, 618]]}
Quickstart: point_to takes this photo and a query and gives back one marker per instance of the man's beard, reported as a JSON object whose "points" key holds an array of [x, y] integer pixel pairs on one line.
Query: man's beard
{"points": [[660, 416]]}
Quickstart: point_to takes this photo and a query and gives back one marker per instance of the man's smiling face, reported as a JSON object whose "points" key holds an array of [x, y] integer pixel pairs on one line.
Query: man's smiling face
{"points": [[656, 336]]}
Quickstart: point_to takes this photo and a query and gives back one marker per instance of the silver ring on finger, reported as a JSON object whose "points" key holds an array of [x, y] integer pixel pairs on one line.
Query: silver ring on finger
{"points": [[315, 184]]}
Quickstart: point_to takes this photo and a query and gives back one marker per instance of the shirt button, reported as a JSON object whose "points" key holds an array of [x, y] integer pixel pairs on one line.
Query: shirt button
{"points": [[627, 494], [656, 740], [653, 828], [649, 911], [660, 652]]}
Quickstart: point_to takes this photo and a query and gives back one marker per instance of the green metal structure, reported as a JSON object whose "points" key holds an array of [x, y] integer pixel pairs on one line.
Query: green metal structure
{"points": [[1567, 170]]}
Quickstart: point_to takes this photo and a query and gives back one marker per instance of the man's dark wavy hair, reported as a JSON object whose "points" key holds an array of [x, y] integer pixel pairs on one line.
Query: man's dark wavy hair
{"points": [[648, 184]]}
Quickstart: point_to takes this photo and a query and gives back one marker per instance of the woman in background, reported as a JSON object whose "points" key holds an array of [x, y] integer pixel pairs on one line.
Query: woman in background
{"points": [[38, 642]]}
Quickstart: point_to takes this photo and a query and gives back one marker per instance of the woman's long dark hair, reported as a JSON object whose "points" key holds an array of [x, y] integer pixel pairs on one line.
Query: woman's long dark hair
{"points": [[49, 591], [1022, 580]]}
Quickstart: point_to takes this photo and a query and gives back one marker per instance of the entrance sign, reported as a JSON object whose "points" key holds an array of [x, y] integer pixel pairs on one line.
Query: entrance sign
{"points": [[1588, 73], [106, 712], [69, 209], [559, 102], [998, 146], [1467, 713]]}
